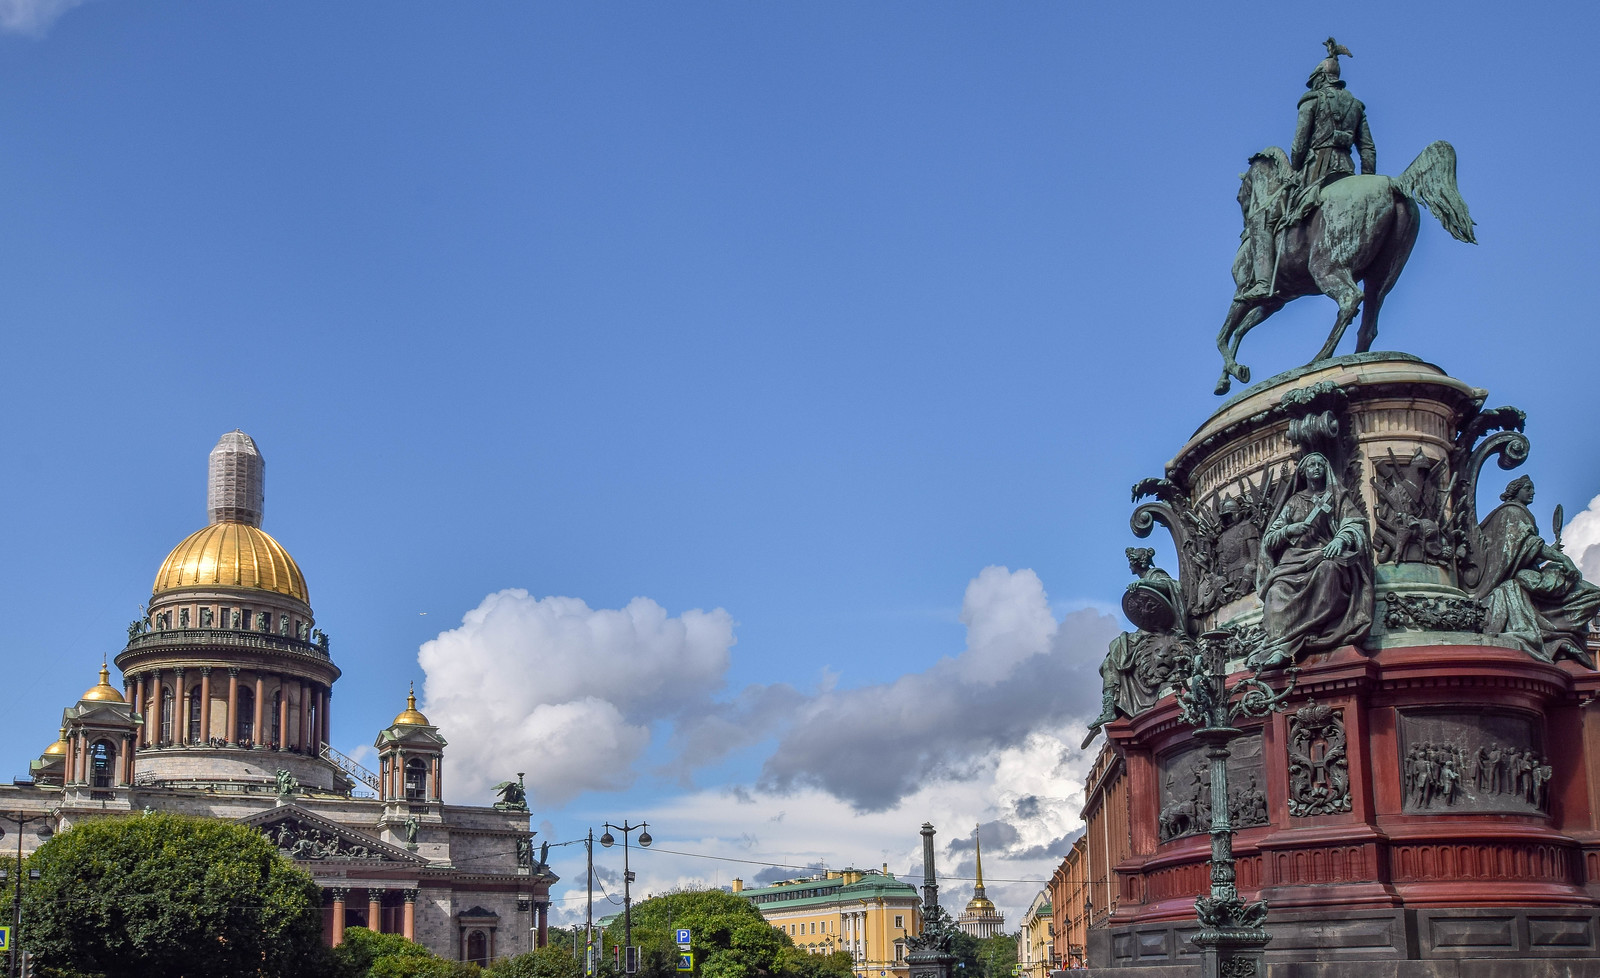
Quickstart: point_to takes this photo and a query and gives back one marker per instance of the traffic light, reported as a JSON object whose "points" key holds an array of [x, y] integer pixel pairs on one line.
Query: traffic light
{"points": [[27, 964]]}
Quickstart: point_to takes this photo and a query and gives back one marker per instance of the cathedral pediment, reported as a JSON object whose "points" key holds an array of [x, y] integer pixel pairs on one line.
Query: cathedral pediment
{"points": [[305, 836]]}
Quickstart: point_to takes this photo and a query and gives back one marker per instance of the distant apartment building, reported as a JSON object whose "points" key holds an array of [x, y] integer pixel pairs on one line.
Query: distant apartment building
{"points": [[1069, 906], [1035, 947], [864, 912]]}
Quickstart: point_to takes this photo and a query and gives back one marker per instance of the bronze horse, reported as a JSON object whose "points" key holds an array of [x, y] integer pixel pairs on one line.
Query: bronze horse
{"points": [[1363, 230]]}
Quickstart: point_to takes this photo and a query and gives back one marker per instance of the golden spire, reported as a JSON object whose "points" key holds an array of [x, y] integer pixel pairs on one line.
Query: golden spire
{"points": [[980, 903], [977, 847]]}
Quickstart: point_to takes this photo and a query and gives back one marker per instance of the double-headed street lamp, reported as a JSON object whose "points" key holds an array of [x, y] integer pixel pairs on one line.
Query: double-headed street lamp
{"points": [[608, 840], [13, 960]]}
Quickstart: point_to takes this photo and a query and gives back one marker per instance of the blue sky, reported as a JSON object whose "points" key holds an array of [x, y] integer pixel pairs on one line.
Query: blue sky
{"points": [[804, 312]]}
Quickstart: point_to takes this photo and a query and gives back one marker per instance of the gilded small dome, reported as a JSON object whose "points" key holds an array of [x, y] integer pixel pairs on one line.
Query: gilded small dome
{"points": [[103, 691], [232, 555], [59, 748], [410, 717], [980, 905]]}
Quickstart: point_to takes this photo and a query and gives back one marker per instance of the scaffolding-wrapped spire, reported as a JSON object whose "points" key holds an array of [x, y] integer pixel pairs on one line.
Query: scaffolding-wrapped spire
{"points": [[236, 489]]}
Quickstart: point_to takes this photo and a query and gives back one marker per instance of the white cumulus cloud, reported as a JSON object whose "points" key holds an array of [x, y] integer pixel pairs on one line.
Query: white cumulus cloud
{"points": [[1581, 540], [554, 686], [32, 17]]}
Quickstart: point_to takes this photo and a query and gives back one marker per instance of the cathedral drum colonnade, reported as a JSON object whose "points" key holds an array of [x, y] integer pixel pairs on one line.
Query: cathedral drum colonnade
{"points": [[225, 712]]}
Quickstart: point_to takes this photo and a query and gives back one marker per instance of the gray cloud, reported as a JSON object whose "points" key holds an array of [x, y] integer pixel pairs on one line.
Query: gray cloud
{"points": [[998, 836], [1021, 670], [773, 874]]}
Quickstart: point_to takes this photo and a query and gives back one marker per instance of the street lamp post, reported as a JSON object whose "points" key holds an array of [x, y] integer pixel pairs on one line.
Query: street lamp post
{"points": [[608, 841], [1232, 938], [23, 821]]}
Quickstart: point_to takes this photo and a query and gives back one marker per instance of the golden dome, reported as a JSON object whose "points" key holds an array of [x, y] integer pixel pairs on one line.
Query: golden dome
{"points": [[410, 717], [103, 691], [59, 748], [232, 555]]}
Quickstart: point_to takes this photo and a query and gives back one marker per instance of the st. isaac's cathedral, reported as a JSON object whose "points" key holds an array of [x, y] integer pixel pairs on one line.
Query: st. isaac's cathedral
{"points": [[225, 711]]}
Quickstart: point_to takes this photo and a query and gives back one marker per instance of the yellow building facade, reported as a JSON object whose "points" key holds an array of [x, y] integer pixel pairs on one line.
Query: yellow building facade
{"points": [[863, 912], [1036, 941]]}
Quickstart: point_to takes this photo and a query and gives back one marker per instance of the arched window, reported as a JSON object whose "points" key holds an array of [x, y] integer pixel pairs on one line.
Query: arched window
{"points": [[102, 761], [166, 714], [416, 780], [478, 948], [194, 715], [244, 730]]}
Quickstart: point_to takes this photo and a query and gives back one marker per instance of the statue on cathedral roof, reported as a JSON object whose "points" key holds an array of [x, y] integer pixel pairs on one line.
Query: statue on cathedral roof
{"points": [[1314, 226]]}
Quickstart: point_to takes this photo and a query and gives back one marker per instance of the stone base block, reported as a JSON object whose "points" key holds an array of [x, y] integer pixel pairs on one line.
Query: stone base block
{"points": [[1365, 938]]}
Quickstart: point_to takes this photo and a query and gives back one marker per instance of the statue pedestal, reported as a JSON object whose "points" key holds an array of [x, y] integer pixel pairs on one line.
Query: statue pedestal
{"points": [[1432, 791], [931, 964]]}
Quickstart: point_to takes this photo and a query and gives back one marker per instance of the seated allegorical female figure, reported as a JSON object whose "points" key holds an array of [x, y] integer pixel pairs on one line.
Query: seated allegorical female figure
{"points": [[1316, 583], [1534, 594]]}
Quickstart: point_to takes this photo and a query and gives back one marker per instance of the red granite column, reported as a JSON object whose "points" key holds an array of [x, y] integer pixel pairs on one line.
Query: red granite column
{"points": [[137, 699], [374, 910], [156, 698], [205, 704], [232, 734], [408, 923], [180, 731], [258, 733], [543, 910], [283, 713], [339, 893]]}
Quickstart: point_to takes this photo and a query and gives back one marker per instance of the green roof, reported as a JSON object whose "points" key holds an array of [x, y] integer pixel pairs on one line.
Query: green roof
{"points": [[804, 893]]}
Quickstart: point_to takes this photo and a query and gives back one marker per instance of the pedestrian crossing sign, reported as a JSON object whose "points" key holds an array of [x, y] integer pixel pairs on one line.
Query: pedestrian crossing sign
{"points": [[685, 960], [5, 938]]}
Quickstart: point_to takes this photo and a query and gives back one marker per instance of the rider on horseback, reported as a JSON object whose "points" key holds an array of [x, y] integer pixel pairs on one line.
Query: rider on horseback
{"points": [[1331, 122]]}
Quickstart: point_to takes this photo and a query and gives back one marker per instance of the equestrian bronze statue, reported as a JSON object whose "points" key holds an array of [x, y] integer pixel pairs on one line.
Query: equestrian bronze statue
{"points": [[1315, 226]]}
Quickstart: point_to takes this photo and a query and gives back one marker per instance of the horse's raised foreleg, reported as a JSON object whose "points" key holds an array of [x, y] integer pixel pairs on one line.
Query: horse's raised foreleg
{"points": [[1228, 345], [1242, 318]]}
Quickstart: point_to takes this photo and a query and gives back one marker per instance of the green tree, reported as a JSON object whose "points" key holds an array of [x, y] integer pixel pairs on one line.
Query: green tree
{"points": [[552, 961], [162, 895], [730, 938], [988, 957], [362, 948]]}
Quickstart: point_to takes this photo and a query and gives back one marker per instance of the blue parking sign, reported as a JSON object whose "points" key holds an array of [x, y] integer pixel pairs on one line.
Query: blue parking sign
{"points": [[683, 935]]}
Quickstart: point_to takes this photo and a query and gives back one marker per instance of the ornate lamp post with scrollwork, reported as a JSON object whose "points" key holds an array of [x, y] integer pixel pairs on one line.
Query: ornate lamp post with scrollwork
{"points": [[1232, 939]]}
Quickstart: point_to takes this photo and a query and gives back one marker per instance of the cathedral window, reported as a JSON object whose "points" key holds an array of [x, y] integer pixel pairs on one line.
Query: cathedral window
{"points": [[166, 715], [194, 715], [224, 616], [416, 780], [245, 729], [277, 719], [100, 763]]}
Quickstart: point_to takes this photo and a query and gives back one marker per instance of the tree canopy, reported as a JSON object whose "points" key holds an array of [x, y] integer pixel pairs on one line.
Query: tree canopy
{"points": [[730, 939], [163, 896]]}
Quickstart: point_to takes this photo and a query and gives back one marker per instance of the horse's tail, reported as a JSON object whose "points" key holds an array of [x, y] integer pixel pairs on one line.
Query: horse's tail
{"points": [[1430, 180]]}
